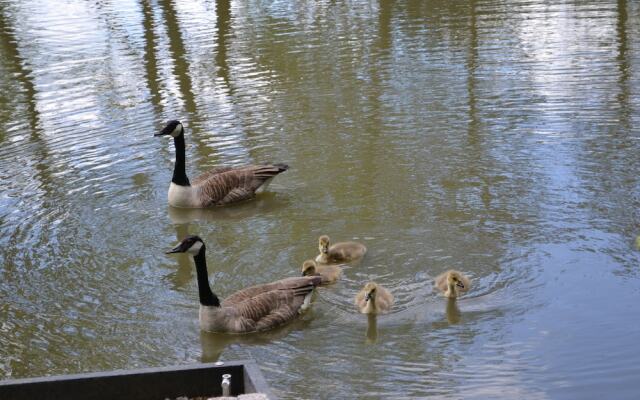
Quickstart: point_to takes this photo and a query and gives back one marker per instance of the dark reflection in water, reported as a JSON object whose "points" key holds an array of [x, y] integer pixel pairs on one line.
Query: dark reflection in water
{"points": [[497, 138], [21, 73], [223, 21], [177, 50], [150, 60]]}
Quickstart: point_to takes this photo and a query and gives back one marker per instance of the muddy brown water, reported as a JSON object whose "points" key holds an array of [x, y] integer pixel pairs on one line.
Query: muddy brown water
{"points": [[500, 138]]}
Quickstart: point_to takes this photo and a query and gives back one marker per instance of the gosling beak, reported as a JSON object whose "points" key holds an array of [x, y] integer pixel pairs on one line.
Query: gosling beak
{"points": [[460, 285], [176, 249], [367, 296]]}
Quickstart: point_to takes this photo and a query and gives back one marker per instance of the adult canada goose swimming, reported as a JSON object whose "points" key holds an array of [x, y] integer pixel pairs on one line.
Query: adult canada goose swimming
{"points": [[339, 252], [329, 273], [256, 308], [374, 299], [218, 186], [452, 283]]}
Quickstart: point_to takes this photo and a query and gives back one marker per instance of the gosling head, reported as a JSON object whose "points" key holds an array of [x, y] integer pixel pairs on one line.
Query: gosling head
{"points": [[454, 278], [370, 291], [323, 244], [191, 244], [173, 128], [309, 268]]}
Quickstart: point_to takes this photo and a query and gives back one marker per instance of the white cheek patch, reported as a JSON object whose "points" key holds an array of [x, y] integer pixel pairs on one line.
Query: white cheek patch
{"points": [[177, 130], [195, 248]]}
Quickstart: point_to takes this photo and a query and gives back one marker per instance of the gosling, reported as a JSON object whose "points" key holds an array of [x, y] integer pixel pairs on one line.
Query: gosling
{"points": [[329, 273], [374, 299], [452, 283], [342, 252]]}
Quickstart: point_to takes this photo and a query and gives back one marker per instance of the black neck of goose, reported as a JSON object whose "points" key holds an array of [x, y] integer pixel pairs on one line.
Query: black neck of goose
{"points": [[207, 297], [179, 170]]}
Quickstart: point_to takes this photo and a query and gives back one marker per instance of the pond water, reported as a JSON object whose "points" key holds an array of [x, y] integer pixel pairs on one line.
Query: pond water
{"points": [[499, 138]]}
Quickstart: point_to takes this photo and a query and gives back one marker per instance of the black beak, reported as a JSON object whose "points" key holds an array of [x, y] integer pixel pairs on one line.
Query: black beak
{"points": [[171, 126], [176, 249], [367, 296], [460, 285]]}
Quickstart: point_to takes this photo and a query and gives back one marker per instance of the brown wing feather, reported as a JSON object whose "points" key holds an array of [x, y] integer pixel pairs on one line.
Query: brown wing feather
{"points": [[283, 284], [226, 185], [270, 309], [274, 307], [208, 174], [237, 194]]}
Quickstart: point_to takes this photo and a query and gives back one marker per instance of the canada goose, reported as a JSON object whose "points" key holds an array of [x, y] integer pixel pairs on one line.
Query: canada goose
{"points": [[218, 186], [374, 299], [256, 308], [452, 283], [339, 252], [329, 273]]}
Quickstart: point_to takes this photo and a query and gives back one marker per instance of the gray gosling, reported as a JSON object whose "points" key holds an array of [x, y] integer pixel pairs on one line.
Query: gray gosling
{"points": [[342, 252], [374, 299], [218, 186], [329, 273], [452, 283], [254, 309]]}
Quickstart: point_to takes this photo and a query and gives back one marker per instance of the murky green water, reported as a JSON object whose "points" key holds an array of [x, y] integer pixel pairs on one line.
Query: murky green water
{"points": [[501, 138]]}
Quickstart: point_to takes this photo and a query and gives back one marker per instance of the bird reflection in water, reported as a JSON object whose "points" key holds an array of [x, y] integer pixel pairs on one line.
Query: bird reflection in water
{"points": [[372, 329], [213, 344], [453, 312], [265, 203]]}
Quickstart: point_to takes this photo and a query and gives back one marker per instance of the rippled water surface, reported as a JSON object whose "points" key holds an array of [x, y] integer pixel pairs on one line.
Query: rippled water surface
{"points": [[501, 138]]}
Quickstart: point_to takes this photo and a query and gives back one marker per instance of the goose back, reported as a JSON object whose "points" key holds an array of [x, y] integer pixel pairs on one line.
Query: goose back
{"points": [[261, 307], [286, 284], [224, 185], [343, 252]]}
